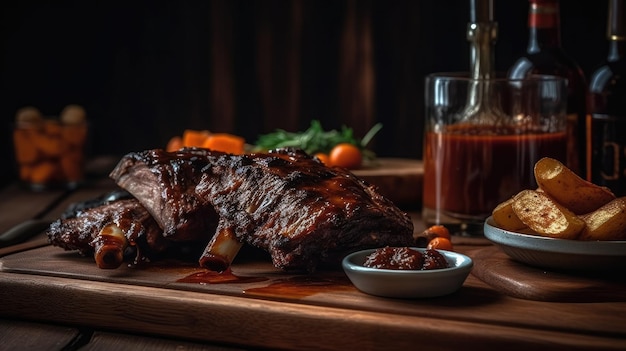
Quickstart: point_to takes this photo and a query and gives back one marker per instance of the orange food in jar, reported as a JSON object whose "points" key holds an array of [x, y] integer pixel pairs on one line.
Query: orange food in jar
{"points": [[52, 128], [44, 172], [25, 172], [48, 152], [25, 149], [75, 134], [49, 145], [72, 165]]}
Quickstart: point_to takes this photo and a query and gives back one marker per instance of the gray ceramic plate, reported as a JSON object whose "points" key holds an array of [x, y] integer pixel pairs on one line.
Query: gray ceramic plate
{"points": [[407, 283], [561, 254]]}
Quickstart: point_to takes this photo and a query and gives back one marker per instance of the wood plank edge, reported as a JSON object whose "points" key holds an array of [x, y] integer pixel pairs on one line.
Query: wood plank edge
{"points": [[259, 323]]}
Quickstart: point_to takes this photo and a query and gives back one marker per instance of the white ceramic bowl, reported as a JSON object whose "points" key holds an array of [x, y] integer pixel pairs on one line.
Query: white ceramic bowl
{"points": [[408, 283], [559, 254]]}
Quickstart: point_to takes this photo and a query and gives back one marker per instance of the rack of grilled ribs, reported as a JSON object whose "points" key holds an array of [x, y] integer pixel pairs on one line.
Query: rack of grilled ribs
{"points": [[285, 202]]}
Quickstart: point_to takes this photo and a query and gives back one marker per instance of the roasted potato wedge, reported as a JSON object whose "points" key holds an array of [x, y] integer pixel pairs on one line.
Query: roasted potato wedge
{"points": [[545, 216], [506, 218], [606, 223], [568, 189]]}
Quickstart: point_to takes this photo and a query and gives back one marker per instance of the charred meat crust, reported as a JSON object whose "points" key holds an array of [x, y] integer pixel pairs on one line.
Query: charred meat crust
{"points": [[285, 202], [78, 232]]}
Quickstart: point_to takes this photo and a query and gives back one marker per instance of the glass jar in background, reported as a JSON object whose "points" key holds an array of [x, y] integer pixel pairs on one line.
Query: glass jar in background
{"points": [[482, 140], [50, 151]]}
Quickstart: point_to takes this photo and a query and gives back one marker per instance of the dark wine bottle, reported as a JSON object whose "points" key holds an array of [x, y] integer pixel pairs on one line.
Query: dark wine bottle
{"points": [[606, 122], [546, 56]]}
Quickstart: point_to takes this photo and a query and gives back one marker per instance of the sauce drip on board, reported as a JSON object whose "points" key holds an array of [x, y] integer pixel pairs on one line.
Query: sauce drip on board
{"points": [[212, 277], [297, 287]]}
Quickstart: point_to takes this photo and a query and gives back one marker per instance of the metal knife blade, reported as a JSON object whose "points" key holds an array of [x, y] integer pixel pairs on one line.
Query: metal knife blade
{"points": [[23, 232]]}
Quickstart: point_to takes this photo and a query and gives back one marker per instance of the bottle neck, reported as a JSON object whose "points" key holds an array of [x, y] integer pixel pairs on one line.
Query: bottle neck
{"points": [[616, 30], [482, 37], [617, 50], [544, 26]]}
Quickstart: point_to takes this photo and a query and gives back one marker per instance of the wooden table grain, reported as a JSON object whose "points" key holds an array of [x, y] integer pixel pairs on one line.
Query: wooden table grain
{"points": [[56, 311]]}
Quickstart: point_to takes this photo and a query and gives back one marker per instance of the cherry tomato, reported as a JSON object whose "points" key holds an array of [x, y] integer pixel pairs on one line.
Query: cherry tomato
{"points": [[346, 155], [440, 243], [422, 239], [323, 157], [439, 231]]}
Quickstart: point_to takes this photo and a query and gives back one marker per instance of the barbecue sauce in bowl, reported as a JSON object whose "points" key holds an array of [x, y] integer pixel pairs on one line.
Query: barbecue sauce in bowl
{"points": [[441, 272], [405, 258]]}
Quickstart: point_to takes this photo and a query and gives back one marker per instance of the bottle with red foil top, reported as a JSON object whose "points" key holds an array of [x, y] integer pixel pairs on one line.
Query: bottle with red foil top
{"points": [[606, 122], [545, 55]]}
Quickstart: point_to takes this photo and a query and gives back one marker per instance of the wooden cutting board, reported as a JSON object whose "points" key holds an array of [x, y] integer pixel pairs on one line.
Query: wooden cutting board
{"points": [[516, 279], [398, 179], [171, 299], [252, 274]]}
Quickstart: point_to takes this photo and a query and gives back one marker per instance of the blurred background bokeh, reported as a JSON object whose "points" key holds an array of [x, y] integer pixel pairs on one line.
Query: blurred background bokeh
{"points": [[147, 70]]}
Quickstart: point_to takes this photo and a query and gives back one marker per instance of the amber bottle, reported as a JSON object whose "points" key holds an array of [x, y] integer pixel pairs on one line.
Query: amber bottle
{"points": [[546, 56], [606, 122]]}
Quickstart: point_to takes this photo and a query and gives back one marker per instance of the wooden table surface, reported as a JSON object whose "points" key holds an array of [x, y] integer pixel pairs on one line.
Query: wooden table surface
{"points": [[47, 304]]}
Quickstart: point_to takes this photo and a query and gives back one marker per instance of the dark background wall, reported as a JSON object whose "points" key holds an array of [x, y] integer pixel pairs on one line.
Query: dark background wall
{"points": [[146, 70]]}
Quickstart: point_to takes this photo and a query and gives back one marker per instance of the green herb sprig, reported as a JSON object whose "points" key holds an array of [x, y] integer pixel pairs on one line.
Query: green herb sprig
{"points": [[315, 139]]}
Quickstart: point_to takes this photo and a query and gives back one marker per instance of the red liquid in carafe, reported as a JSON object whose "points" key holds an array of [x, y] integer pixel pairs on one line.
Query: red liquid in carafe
{"points": [[481, 166]]}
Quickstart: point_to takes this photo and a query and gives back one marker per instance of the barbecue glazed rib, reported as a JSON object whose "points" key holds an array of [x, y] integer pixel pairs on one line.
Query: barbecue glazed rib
{"points": [[106, 228], [286, 202]]}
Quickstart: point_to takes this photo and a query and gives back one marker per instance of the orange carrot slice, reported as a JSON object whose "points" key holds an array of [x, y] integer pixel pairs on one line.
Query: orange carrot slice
{"points": [[225, 142], [192, 137], [174, 144]]}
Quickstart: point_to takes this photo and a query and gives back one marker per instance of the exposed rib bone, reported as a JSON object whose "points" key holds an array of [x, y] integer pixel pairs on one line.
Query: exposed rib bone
{"points": [[109, 246], [221, 250]]}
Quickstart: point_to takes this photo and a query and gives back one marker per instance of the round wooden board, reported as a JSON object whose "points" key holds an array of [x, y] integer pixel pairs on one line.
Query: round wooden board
{"points": [[516, 279], [398, 179]]}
